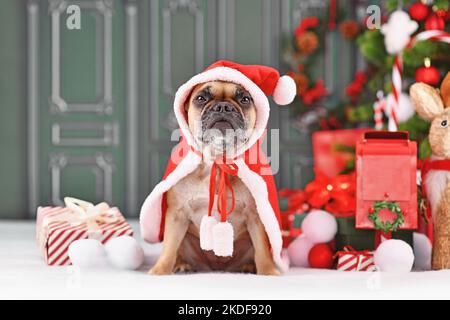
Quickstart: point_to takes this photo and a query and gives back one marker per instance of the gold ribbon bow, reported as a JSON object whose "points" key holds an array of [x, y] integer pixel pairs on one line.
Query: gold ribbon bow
{"points": [[85, 212]]}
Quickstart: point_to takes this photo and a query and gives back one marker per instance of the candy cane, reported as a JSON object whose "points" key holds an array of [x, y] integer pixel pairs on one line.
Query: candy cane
{"points": [[397, 75], [378, 108], [397, 71]]}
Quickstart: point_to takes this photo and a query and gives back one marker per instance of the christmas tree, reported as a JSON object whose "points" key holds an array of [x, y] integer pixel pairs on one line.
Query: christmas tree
{"points": [[410, 44]]}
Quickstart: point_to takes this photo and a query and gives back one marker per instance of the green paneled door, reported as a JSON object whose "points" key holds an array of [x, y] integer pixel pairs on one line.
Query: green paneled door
{"points": [[80, 116]]}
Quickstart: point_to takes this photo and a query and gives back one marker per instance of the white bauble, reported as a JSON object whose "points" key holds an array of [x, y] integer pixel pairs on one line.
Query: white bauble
{"points": [[397, 31], [125, 252], [394, 256], [422, 251], [87, 253], [298, 252], [405, 108], [319, 226]]}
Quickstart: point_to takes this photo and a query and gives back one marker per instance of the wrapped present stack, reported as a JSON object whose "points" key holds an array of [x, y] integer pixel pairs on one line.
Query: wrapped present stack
{"points": [[58, 227]]}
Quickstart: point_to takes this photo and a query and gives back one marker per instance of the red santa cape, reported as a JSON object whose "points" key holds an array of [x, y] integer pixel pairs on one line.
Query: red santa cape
{"points": [[249, 162]]}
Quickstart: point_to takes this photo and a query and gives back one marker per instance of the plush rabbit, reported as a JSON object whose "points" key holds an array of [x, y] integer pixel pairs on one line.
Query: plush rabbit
{"points": [[434, 105]]}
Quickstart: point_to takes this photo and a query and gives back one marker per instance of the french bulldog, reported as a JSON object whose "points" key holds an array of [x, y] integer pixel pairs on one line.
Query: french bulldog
{"points": [[221, 117]]}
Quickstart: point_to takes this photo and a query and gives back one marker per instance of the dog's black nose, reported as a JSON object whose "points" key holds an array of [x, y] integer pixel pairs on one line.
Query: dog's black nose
{"points": [[224, 107]]}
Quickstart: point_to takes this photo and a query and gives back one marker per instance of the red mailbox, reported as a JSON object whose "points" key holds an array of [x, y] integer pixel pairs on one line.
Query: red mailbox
{"points": [[386, 187]]}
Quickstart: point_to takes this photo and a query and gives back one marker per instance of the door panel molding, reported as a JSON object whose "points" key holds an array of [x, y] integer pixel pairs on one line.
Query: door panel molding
{"points": [[109, 132], [172, 7], [105, 104], [101, 164], [131, 101], [226, 29], [33, 104]]}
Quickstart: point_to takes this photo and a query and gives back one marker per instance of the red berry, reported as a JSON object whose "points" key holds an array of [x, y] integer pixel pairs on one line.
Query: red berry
{"points": [[321, 256]]}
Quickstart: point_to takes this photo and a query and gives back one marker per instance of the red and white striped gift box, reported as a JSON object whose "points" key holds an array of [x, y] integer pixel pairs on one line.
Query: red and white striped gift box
{"points": [[54, 234], [352, 260]]}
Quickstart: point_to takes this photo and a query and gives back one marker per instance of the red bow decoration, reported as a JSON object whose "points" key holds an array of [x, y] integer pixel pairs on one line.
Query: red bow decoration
{"points": [[335, 195], [315, 93], [297, 202], [226, 170]]}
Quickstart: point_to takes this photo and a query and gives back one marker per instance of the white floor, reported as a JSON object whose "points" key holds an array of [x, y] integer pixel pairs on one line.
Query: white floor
{"points": [[23, 274]]}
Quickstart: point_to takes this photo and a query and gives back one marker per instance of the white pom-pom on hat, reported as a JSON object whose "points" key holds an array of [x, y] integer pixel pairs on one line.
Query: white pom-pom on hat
{"points": [[206, 232], [223, 237], [285, 91]]}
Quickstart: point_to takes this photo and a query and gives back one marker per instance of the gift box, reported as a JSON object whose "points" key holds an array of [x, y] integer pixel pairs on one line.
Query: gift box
{"points": [[58, 227], [386, 186], [351, 260], [334, 151]]}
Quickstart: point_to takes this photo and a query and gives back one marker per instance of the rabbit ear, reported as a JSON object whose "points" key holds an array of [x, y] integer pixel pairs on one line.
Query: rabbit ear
{"points": [[445, 90], [427, 100]]}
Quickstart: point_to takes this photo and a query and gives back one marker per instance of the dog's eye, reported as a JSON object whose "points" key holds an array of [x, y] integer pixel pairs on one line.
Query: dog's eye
{"points": [[444, 123], [245, 100], [200, 99]]}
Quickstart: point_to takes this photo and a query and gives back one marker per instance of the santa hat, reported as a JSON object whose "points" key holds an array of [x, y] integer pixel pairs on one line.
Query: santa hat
{"points": [[260, 82]]}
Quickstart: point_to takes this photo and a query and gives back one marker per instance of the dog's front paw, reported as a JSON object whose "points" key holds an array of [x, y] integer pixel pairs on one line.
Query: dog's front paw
{"points": [[268, 272], [183, 268], [160, 270]]}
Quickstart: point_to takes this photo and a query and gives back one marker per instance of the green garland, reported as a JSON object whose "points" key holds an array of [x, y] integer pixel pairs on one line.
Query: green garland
{"points": [[386, 226]]}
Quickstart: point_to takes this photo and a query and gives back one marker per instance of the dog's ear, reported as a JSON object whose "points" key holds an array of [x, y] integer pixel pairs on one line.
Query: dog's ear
{"points": [[187, 103]]}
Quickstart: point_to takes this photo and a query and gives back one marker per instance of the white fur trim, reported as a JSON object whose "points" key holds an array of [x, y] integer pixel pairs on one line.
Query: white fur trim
{"points": [[436, 181], [285, 91], [223, 238], [151, 211], [258, 188], [230, 75], [206, 232]]}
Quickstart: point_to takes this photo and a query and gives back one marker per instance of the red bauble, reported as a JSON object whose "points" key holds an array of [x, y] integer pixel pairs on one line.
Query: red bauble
{"points": [[419, 11], [434, 22], [428, 75], [321, 257]]}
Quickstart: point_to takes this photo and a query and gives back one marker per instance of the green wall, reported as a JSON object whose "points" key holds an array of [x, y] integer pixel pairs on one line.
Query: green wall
{"points": [[155, 46], [13, 129]]}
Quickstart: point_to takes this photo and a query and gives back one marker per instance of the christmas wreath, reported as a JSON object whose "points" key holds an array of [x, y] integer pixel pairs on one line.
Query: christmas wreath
{"points": [[386, 226]]}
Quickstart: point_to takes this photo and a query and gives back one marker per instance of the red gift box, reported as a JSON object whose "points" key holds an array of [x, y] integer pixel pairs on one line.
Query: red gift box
{"points": [[352, 260], [386, 183], [334, 150], [58, 227]]}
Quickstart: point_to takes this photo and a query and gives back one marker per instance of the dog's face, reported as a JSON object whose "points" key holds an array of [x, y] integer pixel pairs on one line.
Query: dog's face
{"points": [[221, 116]]}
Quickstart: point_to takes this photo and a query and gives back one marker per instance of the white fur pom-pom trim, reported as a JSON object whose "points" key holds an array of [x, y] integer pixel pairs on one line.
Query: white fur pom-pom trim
{"points": [[285, 91], [223, 237], [206, 232]]}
